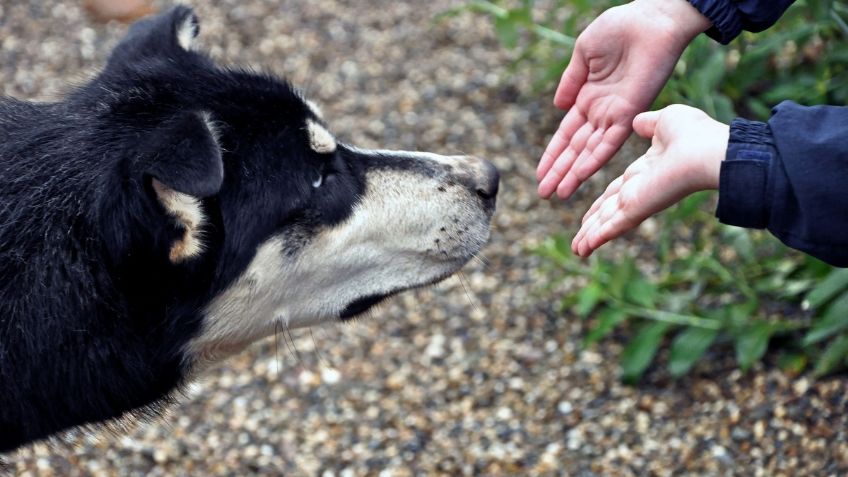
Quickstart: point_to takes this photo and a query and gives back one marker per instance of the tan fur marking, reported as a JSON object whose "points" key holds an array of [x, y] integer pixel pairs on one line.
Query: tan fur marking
{"points": [[186, 209], [320, 140]]}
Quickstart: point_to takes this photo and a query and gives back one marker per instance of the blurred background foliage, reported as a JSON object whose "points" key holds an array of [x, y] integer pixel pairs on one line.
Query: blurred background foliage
{"points": [[701, 285]]}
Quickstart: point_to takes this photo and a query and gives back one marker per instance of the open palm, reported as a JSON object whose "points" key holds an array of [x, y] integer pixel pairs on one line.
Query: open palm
{"points": [[687, 148], [619, 65]]}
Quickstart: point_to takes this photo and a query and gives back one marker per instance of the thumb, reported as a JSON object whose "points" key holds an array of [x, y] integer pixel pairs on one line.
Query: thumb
{"points": [[646, 123], [573, 79]]}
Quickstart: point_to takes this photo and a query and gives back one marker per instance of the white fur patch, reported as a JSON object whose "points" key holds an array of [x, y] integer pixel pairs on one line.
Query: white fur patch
{"points": [[316, 110], [187, 32], [320, 140], [186, 209], [408, 230], [245, 311]]}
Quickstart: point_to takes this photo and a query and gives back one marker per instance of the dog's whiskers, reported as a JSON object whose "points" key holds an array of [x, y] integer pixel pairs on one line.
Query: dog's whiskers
{"points": [[460, 276], [277, 327], [482, 258], [482, 262], [320, 358], [295, 352]]}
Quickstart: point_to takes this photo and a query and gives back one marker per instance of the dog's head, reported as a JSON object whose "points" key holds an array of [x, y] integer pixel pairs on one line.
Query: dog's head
{"points": [[246, 196]]}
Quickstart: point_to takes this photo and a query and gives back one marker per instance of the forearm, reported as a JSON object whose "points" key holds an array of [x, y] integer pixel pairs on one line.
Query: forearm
{"points": [[790, 176]]}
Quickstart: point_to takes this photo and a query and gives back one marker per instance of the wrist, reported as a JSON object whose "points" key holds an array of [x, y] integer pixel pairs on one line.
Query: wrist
{"points": [[715, 154], [684, 20]]}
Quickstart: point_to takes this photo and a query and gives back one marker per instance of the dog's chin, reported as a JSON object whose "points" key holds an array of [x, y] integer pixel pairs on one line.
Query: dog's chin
{"points": [[361, 305]]}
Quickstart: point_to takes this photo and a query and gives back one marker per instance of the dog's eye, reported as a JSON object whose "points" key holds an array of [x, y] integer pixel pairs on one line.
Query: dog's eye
{"points": [[318, 182]]}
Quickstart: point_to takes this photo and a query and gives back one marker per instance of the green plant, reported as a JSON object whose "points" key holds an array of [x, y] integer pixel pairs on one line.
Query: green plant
{"points": [[803, 57], [709, 284], [743, 289]]}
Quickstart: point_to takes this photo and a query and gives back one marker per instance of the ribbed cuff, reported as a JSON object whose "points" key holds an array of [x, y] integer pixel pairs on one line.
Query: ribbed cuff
{"points": [[743, 180], [727, 23]]}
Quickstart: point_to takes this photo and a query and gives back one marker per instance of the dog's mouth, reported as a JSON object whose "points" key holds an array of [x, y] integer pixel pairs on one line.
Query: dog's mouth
{"points": [[361, 305]]}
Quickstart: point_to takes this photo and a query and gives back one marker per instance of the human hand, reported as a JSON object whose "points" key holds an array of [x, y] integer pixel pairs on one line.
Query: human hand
{"points": [[686, 151], [619, 65]]}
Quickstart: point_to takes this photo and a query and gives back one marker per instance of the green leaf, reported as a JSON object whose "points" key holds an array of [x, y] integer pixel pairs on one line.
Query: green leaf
{"points": [[833, 356], [834, 320], [688, 347], [741, 241], [752, 344], [588, 298], [562, 246], [836, 282], [485, 6], [640, 352], [554, 36], [641, 292], [672, 318], [793, 363], [690, 205], [620, 275], [608, 319], [521, 16], [506, 31]]}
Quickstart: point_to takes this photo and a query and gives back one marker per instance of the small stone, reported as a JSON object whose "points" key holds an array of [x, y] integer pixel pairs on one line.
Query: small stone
{"points": [[330, 376], [740, 434]]}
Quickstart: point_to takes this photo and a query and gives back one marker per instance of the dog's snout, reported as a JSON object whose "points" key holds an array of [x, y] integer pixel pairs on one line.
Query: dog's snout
{"points": [[488, 180]]}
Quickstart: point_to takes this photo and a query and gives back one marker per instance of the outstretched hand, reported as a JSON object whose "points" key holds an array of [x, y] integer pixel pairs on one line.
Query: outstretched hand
{"points": [[686, 151], [619, 65]]}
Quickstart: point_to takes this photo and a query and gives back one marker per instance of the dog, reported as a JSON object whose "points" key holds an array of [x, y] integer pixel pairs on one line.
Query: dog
{"points": [[170, 212]]}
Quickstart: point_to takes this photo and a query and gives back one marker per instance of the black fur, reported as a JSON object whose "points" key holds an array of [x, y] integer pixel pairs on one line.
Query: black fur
{"points": [[93, 314]]}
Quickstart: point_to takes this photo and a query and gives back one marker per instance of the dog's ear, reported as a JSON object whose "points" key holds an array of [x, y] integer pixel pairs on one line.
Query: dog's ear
{"points": [[183, 154], [181, 162], [169, 33]]}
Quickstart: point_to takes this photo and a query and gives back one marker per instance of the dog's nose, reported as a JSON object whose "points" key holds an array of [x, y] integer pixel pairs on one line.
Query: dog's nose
{"points": [[488, 181]]}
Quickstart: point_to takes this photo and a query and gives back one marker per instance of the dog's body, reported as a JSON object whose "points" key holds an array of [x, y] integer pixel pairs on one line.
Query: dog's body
{"points": [[170, 212]]}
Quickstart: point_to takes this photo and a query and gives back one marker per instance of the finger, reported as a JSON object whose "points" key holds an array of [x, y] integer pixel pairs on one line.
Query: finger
{"points": [[569, 125], [646, 123], [573, 79], [589, 162], [585, 226], [613, 188], [563, 163], [577, 245], [583, 248], [607, 209], [618, 225], [571, 181], [612, 140]]}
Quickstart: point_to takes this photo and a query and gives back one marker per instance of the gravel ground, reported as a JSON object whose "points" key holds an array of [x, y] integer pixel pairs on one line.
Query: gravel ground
{"points": [[479, 376]]}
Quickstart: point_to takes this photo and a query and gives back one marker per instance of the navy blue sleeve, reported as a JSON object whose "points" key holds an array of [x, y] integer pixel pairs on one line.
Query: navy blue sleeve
{"points": [[790, 176], [730, 17]]}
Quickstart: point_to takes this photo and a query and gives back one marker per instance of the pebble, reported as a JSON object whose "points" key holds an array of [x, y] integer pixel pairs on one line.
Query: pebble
{"points": [[481, 377]]}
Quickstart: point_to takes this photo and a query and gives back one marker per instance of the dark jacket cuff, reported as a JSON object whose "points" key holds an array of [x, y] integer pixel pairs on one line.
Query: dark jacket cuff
{"points": [[743, 180], [727, 22]]}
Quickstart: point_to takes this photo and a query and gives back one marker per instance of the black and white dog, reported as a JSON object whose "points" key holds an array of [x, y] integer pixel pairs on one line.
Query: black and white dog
{"points": [[171, 212]]}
